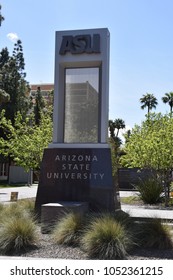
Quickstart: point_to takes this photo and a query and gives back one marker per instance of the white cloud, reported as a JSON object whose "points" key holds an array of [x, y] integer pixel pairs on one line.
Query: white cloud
{"points": [[12, 37]]}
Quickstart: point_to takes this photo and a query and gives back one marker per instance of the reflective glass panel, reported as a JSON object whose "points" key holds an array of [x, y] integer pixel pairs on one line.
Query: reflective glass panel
{"points": [[81, 105]]}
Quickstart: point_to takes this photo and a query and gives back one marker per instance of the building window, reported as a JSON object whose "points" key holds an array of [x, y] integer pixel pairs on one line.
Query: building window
{"points": [[3, 169], [82, 100]]}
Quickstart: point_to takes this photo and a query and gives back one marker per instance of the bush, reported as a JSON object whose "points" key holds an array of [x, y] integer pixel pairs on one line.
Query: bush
{"points": [[106, 238], [150, 190], [155, 234], [68, 230], [17, 233]]}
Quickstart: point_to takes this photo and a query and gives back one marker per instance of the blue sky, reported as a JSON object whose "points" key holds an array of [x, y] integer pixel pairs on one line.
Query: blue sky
{"points": [[141, 51]]}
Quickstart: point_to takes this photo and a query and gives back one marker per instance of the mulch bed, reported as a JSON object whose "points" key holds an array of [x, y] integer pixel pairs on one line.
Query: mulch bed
{"points": [[47, 249]]}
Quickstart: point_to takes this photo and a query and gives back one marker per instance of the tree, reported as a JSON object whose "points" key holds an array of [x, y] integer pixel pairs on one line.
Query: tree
{"points": [[115, 143], [1, 17], [119, 124], [111, 128], [127, 135], [116, 124], [151, 146], [25, 141], [12, 79], [148, 100], [39, 105], [4, 97], [168, 98]]}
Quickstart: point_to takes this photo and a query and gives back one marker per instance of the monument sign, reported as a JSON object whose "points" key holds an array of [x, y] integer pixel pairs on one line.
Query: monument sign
{"points": [[77, 164]]}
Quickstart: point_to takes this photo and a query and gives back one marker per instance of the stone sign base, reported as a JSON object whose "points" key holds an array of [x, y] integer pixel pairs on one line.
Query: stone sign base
{"points": [[52, 212], [77, 174]]}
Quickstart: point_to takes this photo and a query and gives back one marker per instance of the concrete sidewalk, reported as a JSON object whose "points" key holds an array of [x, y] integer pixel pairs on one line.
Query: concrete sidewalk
{"points": [[23, 192], [145, 211], [134, 211], [141, 212]]}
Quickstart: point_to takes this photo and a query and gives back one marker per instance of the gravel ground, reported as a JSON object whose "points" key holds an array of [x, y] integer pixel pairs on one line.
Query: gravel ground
{"points": [[47, 249]]}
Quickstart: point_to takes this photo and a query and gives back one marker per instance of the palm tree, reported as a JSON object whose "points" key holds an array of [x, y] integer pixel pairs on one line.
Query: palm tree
{"points": [[111, 128], [116, 124], [148, 100], [168, 98], [119, 124]]}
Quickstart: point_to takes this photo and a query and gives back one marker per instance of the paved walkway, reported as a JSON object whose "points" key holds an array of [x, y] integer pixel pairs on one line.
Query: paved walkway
{"points": [[23, 192], [134, 211], [141, 212], [144, 211]]}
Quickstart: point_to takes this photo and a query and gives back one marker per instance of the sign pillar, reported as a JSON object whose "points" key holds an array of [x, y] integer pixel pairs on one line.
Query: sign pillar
{"points": [[77, 164]]}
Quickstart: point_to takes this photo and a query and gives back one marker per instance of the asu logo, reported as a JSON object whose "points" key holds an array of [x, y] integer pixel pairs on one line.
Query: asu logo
{"points": [[80, 44]]}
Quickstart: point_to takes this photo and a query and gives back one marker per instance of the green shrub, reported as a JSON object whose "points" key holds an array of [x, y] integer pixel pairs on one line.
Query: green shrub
{"points": [[17, 233], [150, 190], [68, 230], [154, 234], [106, 238]]}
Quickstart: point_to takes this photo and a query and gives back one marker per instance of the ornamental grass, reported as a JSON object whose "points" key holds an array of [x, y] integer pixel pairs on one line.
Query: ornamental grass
{"points": [[106, 238], [68, 230], [28, 205], [155, 234], [14, 210], [150, 190], [17, 233]]}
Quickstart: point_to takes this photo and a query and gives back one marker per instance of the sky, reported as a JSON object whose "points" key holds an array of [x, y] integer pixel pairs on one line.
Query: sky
{"points": [[141, 45]]}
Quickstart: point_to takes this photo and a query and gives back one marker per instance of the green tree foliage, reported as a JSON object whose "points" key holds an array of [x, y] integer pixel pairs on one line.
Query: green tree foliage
{"points": [[151, 146], [4, 97], [168, 98], [12, 81], [148, 100], [127, 135], [115, 142], [25, 141], [117, 124], [39, 105]]}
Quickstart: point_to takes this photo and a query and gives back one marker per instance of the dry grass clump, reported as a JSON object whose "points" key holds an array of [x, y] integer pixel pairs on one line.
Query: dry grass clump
{"points": [[16, 234], [68, 230], [1, 207], [106, 238], [17, 228], [27, 205], [150, 190], [154, 234]]}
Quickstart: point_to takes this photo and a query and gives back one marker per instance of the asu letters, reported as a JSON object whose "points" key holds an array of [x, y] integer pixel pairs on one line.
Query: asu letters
{"points": [[80, 44]]}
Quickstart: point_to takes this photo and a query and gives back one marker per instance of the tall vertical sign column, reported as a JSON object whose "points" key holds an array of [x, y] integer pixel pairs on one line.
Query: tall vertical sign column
{"points": [[77, 164]]}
